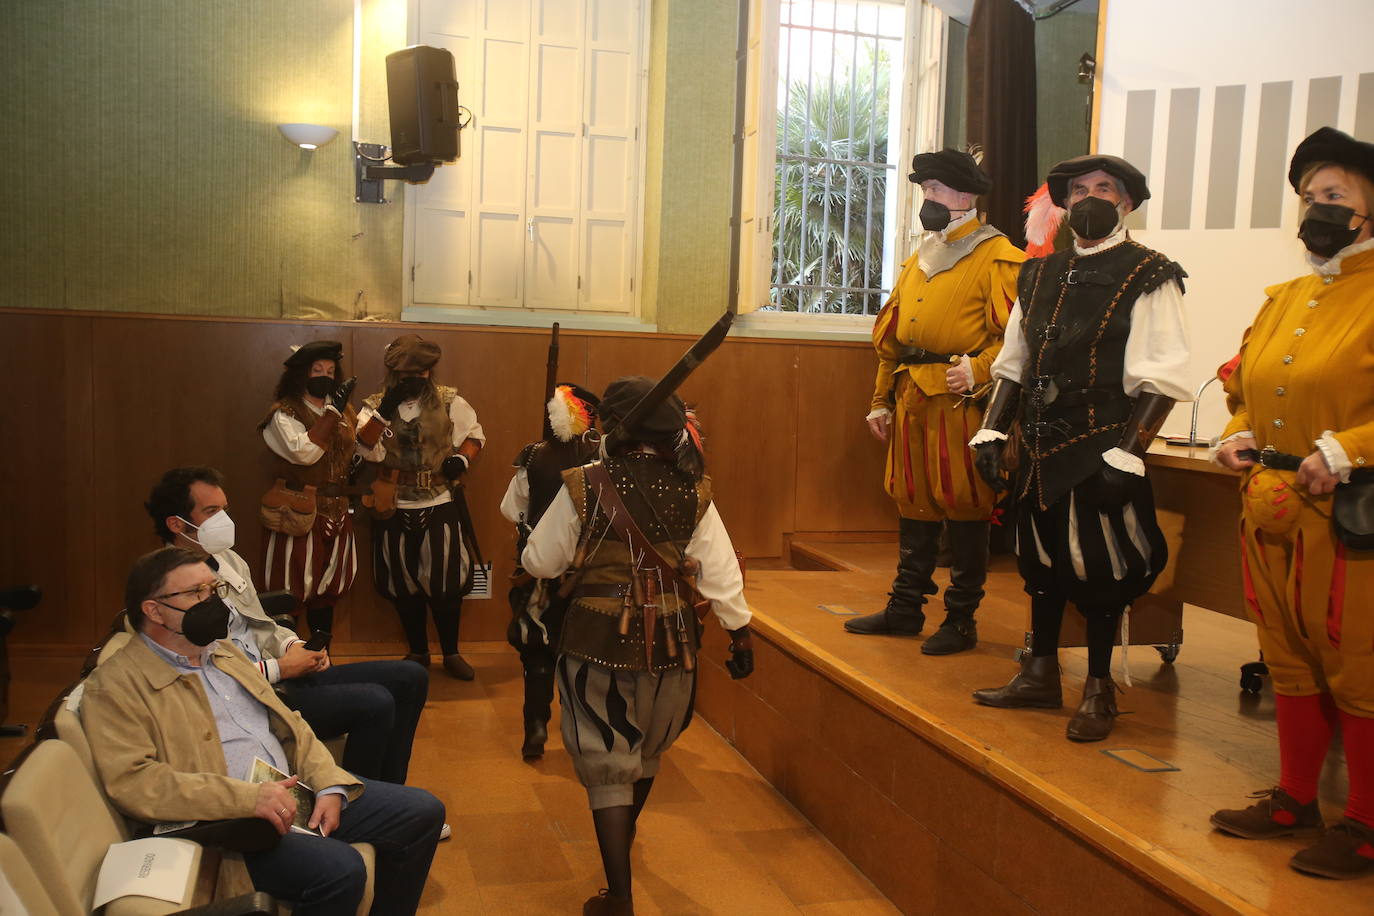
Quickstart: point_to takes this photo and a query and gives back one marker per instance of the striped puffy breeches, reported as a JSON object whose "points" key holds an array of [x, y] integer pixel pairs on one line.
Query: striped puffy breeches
{"points": [[930, 473], [317, 567], [1308, 595], [419, 552], [1090, 556], [616, 723]]}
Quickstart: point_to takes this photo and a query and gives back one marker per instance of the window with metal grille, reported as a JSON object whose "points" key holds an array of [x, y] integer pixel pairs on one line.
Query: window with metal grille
{"points": [[840, 67]]}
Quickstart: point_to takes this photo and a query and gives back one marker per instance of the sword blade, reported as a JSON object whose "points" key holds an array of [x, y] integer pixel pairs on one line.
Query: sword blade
{"points": [[696, 354]]}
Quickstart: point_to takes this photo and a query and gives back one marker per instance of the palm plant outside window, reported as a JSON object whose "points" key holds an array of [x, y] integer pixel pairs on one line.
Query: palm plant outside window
{"points": [[836, 180]]}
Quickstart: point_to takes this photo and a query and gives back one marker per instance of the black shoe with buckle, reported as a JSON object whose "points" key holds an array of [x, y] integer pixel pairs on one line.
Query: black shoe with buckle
{"points": [[1095, 716], [957, 634]]}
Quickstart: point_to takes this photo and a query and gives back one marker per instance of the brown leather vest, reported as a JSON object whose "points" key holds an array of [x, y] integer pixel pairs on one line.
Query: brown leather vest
{"points": [[420, 444], [666, 505], [330, 469]]}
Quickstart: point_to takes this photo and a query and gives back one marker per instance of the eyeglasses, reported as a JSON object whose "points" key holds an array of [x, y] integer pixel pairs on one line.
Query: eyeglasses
{"points": [[200, 592]]}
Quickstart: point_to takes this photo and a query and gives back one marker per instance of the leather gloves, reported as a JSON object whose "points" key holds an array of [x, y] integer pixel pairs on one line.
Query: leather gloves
{"points": [[987, 460], [406, 389], [1115, 486], [339, 399], [740, 664], [454, 466], [1000, 413]]}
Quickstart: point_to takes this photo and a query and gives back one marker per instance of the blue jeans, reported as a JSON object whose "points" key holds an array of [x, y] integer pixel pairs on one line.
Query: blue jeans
{"points": [[377, 704], [326, 877]]}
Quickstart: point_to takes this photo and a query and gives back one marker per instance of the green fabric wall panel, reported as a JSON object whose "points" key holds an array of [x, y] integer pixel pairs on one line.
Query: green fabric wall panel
{"points": [[155, 179], [688, 256]]}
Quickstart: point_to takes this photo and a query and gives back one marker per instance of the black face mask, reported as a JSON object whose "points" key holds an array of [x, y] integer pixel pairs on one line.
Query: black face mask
{"points": [[1093, 218], [319, 386], [205, 621], [934, 216], [412, 386], [1325, 229]]}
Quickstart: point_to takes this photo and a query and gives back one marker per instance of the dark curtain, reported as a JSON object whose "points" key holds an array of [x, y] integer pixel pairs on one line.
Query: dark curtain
{"points": [[1001, 108]]}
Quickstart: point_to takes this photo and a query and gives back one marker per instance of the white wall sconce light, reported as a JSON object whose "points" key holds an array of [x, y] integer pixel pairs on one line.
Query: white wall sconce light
{"points": [[308, 136]]}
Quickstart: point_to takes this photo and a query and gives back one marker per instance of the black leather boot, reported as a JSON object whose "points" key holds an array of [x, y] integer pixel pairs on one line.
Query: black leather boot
{"points": [[918, 544], [536, 733], [968, 572], [1036, 686], [957, 634]]}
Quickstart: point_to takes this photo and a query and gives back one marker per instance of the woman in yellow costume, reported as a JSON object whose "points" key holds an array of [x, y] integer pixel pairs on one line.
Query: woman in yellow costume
{"points": [[1302, 434]]}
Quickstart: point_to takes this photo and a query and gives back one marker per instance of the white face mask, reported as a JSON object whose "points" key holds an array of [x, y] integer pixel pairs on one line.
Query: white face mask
{"points": [[216, 535]]}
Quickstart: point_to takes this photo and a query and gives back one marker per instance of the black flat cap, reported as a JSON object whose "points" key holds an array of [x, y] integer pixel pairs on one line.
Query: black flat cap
{"points": [[1330, 145], [1130, 176], [952, 167], [624, 393], [316, 349]]}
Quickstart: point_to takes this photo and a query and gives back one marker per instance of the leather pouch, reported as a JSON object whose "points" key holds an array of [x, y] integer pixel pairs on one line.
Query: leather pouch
{"points": [[382, 499], [288, 511], [1352, 512]]}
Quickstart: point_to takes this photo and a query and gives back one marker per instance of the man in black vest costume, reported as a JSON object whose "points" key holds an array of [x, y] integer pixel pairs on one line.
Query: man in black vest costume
{"points": [[537, 608], [635, 528], [1096, 353]]}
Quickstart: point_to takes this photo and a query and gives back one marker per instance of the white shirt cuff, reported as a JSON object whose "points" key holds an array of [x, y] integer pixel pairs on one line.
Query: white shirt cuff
{"points": [[984, 436], [1212, 451], [272, 668], [878, 412], [967, 365], [1124, 461], [1334, 453]]}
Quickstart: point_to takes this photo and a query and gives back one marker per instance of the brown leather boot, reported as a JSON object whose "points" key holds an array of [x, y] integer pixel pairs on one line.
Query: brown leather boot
{"points": [[1344, 851], [1275, 814], [607, 904], [457, 666], [1097, 713], [1037, 686]]}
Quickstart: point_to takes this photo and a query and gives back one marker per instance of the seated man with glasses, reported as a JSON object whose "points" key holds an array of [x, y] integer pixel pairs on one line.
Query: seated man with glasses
{"points": [[177, 720], [376, 703]]}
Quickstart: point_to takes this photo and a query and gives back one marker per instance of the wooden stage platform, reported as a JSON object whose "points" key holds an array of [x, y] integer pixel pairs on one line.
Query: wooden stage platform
{"points": [[950, 807]]}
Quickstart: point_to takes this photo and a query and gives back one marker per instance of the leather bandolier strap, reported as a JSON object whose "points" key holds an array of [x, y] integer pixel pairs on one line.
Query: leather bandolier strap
{"points": [[599, 479]]}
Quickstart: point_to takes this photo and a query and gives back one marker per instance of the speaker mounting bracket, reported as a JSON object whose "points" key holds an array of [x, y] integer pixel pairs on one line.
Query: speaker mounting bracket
{"points": [[368, 174]]}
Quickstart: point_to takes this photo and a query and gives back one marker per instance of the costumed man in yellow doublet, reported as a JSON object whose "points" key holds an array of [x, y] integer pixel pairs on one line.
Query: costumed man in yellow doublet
{"points": [[1302, 434], [936, 339]]}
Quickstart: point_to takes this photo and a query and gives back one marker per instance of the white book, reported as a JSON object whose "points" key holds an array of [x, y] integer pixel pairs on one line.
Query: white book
{"points": [[156, 867]]}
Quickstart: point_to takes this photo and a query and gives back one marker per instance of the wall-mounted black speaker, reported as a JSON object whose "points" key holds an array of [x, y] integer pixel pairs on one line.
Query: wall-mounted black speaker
{"points": [[422, 94]]}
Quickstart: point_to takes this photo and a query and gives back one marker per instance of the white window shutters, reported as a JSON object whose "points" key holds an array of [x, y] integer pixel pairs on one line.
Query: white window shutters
{"points": [[540, 211]]}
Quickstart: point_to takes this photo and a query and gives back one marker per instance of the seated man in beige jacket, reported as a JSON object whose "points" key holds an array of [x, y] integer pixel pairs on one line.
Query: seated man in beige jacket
{"points": [[176, 720]]}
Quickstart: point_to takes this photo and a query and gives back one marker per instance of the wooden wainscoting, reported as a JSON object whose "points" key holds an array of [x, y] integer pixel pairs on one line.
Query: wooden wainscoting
{"points": [[98, 405]]}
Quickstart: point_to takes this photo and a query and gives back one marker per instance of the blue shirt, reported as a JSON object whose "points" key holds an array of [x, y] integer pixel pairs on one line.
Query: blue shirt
{"points": [[244, 729], [244, 725]]}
